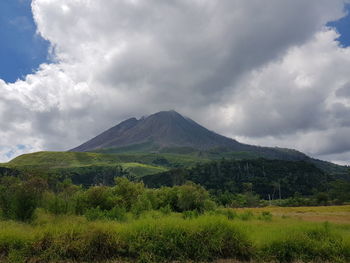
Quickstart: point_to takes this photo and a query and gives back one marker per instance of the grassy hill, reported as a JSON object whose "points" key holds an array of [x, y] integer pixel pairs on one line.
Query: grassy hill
{"points": [[92, 168], [63, 159], [78, 159], [160, 168]]}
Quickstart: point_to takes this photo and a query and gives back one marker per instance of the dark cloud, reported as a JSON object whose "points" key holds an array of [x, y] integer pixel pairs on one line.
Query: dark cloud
{"points": [[344, 91]]}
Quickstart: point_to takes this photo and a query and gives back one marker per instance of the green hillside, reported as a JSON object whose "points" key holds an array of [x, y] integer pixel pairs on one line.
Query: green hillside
{"points": [[63, 159], [94, 168], [140, 169], [78, 159]]}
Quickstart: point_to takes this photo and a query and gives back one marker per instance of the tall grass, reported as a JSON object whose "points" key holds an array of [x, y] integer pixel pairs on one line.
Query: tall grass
{"points": [[317, 244], [203, 238], [156, 237]]}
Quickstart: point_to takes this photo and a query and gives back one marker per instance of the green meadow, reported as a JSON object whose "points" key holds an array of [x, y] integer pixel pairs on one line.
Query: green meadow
{"points": [[161, 236]]}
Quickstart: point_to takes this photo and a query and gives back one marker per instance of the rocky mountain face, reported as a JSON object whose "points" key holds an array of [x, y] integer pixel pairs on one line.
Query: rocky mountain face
{"points": [[168, 130]]}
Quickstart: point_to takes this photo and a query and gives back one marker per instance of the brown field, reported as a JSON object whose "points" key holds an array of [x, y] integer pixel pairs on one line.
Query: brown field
{"points": [[334, 214]]}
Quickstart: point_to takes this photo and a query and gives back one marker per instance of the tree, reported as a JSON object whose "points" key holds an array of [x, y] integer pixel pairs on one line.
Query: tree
{"points": [[191, 197], [127, 192], [19, 199]]}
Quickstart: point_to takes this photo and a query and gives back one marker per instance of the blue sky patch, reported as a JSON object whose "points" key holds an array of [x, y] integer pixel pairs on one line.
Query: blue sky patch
{"points": [[21, 49], [343, 27]]}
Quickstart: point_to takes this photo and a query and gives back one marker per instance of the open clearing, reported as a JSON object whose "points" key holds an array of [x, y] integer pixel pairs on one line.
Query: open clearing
{"points": [[333, 214]]}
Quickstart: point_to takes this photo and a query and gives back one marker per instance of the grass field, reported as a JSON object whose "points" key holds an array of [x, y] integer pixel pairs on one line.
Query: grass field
{"points": [[333, 214], [140, 169], [223, 235]]}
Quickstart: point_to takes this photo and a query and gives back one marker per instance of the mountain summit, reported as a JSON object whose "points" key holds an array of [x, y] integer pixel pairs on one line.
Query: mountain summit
{"points": [[168, 130], [164, 129]]}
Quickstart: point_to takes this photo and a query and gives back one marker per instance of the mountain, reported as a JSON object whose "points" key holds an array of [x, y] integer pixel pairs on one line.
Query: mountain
{"points": [[162, 147], [169, 131]]}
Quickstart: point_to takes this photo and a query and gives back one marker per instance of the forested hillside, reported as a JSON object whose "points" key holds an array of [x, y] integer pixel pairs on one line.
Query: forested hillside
{"points": [[269, 179]]}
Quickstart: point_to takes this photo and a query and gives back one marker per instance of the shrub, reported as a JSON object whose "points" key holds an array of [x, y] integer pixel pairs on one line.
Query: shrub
{"points": [[166, 210], [117, 213], [190, 214], [19, 199], [247, 215], [201, 239], [10, 243], [142, 204], [229, 213], [95, 214], [54, 204], [318, 245], [192, 197], [265, 216], [127, 192], [93, 245], [99, 196]]}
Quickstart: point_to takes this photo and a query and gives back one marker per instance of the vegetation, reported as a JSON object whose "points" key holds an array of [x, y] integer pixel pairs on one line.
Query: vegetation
{"points": [[129, 222], [162, 207], [79, 159], [260, 182], [158, 237]]}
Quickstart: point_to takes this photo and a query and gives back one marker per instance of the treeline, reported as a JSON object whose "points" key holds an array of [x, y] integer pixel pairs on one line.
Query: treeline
{"points": [[83, 175], [245, 182], [19, 198], [110, 191]]}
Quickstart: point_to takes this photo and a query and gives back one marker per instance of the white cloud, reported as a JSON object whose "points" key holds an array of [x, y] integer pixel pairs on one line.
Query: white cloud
{"points": [[245, 68], [300, 101]]}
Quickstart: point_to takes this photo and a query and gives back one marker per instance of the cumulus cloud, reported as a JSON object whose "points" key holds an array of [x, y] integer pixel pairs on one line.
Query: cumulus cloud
{"points": [[300, 101], [252, 70]]}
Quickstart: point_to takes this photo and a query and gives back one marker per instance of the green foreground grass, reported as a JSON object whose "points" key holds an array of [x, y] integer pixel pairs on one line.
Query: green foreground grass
{"points": [[159, 237]]}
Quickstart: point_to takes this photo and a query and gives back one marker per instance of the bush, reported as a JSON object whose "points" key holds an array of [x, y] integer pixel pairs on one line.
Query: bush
{"points": [[93, 214], [142, 204], [317, 245], [229, 213], [11, 243], [190, 214], [117, 213], [127, 192], [99, 196], [246, 216], [166, 210], [93, 245], [201, 239], [192, 197], [19, 199], [54, 204], [265, 216]]}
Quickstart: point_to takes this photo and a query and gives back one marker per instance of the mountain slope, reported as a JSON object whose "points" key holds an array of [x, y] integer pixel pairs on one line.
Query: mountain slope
{"points": [[168, 131], [162, 129]]}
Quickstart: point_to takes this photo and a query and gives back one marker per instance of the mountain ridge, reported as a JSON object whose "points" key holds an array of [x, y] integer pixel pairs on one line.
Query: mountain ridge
{"points": [[165, 139], [166, 130]]}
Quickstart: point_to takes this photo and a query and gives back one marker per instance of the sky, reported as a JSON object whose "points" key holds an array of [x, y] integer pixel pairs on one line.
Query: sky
{"points": [[21, 49], [271, 73]]}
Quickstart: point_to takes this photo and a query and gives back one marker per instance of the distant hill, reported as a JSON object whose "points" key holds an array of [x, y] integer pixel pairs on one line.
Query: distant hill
{"points": [[169, 131], [263, 175], [96, 168], [154, 145], [53, 160]]}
